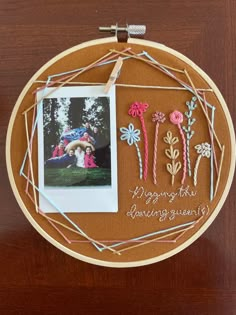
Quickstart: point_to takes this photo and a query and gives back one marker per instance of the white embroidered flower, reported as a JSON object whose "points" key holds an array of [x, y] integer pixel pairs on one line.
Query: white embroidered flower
{"points": [[204, 149], [130, 134]]}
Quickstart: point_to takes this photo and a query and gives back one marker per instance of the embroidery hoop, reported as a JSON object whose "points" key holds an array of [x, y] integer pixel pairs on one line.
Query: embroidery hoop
{"points": [[45, 231]]}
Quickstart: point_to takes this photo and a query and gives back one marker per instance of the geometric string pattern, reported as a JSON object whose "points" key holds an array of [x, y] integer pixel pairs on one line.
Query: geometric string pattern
{"points": [[169, 235]]}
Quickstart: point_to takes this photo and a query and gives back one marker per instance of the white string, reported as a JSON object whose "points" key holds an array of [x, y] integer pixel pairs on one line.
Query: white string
{"points": [[131, 85]]}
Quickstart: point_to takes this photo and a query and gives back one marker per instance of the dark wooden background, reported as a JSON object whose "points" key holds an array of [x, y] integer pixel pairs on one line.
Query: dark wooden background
{"points": [[35, 277]]}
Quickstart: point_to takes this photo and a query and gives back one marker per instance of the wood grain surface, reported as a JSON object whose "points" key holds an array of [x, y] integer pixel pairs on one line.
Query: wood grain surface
{"points": [[35, 277]]}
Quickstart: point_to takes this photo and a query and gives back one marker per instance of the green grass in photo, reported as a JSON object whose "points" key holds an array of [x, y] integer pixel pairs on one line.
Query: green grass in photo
{"points": [[76, 176]]}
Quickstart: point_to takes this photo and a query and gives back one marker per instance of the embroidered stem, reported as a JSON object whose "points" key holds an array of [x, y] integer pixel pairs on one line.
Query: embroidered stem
{"points": [[184, 154], [132, 136], [145, 146], [136, 110], [189, 133], [158, 118], [188, 157], [172, 176], [196, 170], [140, 161], [155, 154], [204, 150], [172, 154]]}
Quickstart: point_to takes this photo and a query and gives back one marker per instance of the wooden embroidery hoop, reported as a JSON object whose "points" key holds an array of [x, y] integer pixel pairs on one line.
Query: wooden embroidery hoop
{"points": [[15, 127]]}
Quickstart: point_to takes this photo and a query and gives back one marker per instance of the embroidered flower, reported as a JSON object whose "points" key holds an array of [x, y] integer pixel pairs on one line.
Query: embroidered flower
{"points": [[130, 134], [176, 117], [137, 109], [204, 149], [158, 117]]}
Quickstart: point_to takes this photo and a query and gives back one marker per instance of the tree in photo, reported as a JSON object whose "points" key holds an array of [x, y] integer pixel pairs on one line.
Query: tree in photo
{"points": [[52, 126], [75, 112], [97, 113]]}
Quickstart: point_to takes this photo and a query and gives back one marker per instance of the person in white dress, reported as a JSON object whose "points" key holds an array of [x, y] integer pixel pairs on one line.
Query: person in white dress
{"points": [[79, 153]]}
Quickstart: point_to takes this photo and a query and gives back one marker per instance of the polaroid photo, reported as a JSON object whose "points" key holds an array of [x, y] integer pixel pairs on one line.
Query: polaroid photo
{"points": [[77, 150]]}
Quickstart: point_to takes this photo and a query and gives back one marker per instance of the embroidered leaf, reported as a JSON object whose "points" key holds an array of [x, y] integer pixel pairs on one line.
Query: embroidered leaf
{"points": [[169, 168], [175, 140], [169, 134], [176, 154], [178, 167], [168, 153], [166, 140], [172, 154], [191, 121], [168, 137], [175, 168], [189, 135]]}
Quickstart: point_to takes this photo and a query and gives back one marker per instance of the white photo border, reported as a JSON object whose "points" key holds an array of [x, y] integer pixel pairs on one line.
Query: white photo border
{"points": [[92, 198]]}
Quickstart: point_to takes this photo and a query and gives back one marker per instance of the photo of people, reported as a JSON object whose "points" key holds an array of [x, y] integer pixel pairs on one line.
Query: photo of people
{"points": [[77, 141]]}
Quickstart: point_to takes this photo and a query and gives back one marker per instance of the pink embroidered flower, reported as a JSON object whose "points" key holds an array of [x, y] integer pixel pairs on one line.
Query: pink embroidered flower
{"points": [[176, 117], [158, 117], [137, 109]]}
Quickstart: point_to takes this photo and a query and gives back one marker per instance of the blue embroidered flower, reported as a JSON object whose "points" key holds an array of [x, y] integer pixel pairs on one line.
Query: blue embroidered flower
{"points": [[130, 134]]}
